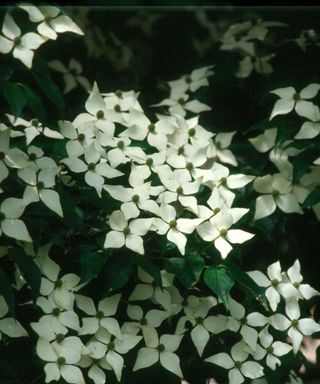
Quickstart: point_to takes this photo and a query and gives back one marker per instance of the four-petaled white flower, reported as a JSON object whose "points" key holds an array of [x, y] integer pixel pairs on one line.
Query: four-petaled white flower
{"points": [[237, 364], [22, 46]]}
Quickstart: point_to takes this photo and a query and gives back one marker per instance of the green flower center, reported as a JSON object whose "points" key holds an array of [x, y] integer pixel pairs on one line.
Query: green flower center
{"points": [[61, 361], [296, 285], [270, 350], [56, 311], [238, 364], [149, 162], [17, 41], [181, 101], [81, 137], [117, 108], [120, 144], [199, 320], [32, 157], [40, 185], [181, 150], [126, 231], [60, 337], [99, 315], [179, 191], [223, 232], [91, 166], [100, 114], [143, 321], [173, 224], [110, 346], [151, 128], [218, 145], [295, 323], [58, 283], [189, 166], [243, 321], [296, 97], [160, 348], [191, 132], [135, 199], [275, 193], [2, 155], [34, 122], [118, 93], [223, 181], [274, 282]]}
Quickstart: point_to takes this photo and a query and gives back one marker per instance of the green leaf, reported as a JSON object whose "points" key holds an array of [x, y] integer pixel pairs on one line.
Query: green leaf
{"points": [[29, 269], [118, 272], [7, 291], [247, 282], [179, 267], [313, 198], [196, 263], [35, 103], [219, 280], [16, 98], [149, 267], [91, 265]]}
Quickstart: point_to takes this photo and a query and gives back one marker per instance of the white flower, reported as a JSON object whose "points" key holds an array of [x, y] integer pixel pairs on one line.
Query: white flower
{"points": [[296, 328], [22, 46], [271, 283], [51, 22], [11, 209], [237, 365], [173, 227], [71, 75], [97, 368], [219, 148], [101, 317], [126, 101], [271, 349], [292, 287], [112, 348], [33, 128], [127, 234], [217, 230], [277, 191], [160, 350], [259, 64], [291, 99], [8, 325], [60, 363]]}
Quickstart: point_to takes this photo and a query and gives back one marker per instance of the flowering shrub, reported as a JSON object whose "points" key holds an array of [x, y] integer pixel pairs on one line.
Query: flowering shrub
{"points": [[140, 242]]}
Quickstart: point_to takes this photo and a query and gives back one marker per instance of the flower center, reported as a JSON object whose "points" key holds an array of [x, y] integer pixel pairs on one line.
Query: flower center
{"points": [[243, 321], [149, 162], [160, 347], [34, 122], [81, 137], [191, 132], [58, 283], [223, 232], [181, 150], [32, 157], [56, 311], [60, 337], [189, 166], [274, 282], [91, 166], [296, 285], [110, 346], [151, 128], [199, 320], [99, 315], [17, 41], [61, 361], [172, 224], [135, 199], [295, 323], [296, 97], [40, 185], [120, 144], [270, 350], [275, 193], [181, 101], [118, 93], [100, 114], [117, 108], [143, 321], [179, 191], [216, 210], [218, 145], [238, 364], [126, 231], [223, 181]]}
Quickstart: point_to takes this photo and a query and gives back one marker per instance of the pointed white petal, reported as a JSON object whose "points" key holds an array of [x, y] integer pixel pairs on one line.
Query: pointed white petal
{"points": [[145, 358], [171, 362]]}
